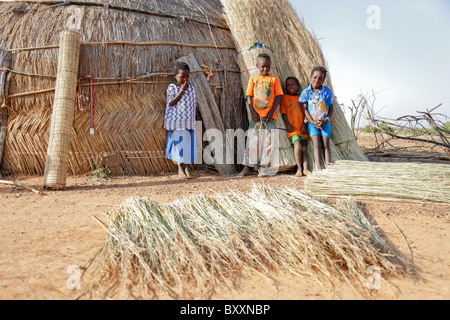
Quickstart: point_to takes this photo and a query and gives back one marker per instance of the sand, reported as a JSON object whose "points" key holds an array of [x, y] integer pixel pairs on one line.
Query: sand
{"points": [[45, 238]]}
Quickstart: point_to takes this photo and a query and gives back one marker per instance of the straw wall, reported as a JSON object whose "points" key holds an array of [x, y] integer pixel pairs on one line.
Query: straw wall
{"points": [[129, 117]]}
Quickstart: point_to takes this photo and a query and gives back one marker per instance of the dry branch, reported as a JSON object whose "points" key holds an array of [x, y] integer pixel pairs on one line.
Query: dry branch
{"points": [[19, 184], [426, 127]]}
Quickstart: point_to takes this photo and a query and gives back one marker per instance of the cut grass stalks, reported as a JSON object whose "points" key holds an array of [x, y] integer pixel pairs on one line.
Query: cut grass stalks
{"points": [[414, 182], [192, 245]]}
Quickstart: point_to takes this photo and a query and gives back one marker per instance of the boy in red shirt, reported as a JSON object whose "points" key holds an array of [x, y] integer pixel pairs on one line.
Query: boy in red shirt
{"points": [[264, 95]]}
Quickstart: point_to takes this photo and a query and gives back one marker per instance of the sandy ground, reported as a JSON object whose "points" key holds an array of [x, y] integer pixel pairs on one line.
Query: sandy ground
{"points": [[43, 237]]}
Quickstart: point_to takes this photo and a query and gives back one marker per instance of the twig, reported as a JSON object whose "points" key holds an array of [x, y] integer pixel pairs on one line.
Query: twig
{"points": [[101, 204], [20, 185], [403, 235]]}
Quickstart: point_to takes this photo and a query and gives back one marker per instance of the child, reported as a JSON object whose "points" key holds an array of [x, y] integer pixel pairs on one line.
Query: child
{"points": [[264, 95], [179, 120], [294, 119], [317, 101]]}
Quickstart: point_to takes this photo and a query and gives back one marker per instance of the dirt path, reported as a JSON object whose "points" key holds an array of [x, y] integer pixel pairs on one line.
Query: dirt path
{"points": [[43, 236]]}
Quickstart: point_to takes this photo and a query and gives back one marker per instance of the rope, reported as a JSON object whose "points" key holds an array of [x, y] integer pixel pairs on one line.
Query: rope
{"points": [[273, 68], [147, 74], [91, 100], [45, 7], [27, 73], [130, 44]]}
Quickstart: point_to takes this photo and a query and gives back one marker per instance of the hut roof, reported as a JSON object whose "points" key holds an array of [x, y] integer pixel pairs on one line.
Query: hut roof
{"points": [[209, 12]]}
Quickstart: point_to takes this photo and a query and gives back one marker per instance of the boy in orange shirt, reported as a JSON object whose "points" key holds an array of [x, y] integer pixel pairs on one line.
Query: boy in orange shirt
{"points": [[294, 119], [264, 95]]}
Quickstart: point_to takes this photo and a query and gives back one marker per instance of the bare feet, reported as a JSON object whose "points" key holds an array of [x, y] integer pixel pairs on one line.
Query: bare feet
{"points": [[244, 172], [181, 173], [262, 172], [189, 173]]}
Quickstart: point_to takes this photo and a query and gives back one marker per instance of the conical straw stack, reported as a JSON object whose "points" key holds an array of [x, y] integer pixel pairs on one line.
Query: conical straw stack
{"points": [[296, 51], [57, 162]]}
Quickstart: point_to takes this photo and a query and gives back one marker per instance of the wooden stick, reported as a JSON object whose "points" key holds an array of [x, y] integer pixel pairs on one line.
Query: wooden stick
{"points": [[130, 44], [19, 184], [5, 62], [208, 108], [403, 235]]}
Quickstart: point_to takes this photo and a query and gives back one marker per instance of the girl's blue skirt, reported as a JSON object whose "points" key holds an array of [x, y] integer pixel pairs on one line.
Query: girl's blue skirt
{"points": [[181, 146]]}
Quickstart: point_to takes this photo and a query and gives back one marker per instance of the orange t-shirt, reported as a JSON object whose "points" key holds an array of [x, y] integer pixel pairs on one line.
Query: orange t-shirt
{"points": [[295, 114], [264, 90]]}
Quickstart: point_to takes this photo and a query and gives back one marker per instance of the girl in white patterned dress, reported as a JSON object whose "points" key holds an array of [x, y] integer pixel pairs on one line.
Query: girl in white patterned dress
{"points": [[179, 121]]}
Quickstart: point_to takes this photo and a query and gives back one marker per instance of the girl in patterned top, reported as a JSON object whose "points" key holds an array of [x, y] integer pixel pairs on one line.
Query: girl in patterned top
{"points": [[179, 121]]}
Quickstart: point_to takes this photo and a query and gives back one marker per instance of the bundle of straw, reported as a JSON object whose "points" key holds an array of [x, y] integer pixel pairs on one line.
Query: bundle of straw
{"points": [[203, 241], [418, 182], [296, 51]]}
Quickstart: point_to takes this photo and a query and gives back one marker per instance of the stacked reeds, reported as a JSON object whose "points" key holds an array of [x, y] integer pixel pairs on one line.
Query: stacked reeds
{"points": [[56, 167], [202, 241], [418, 182], [295, 50]]}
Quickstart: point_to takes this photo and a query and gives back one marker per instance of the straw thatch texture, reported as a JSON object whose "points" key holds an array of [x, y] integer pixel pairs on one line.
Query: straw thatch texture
{"points": [[418, 182], [295, 51], [128, 117], [62, 116], [203, 241]]}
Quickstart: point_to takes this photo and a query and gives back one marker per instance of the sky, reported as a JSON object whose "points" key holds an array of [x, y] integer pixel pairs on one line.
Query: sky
{"points": [[398, 49]]}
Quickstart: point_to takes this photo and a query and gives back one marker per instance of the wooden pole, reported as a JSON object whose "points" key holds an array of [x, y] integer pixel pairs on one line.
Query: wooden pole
{"points": [[5, 63], [208, 108], [56, 166]]}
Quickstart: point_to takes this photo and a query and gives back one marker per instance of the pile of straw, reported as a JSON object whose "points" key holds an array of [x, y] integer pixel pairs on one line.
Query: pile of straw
{"points": [[417, 182], [203, 241], [295, 51]]}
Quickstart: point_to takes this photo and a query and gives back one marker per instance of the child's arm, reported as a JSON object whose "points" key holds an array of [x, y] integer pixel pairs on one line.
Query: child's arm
{"points": [[274, 108], [178, 97], [254, 114], [289, 127]]}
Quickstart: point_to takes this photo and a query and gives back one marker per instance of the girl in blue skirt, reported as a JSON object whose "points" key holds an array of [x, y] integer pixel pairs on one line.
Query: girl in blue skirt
{"points": [[179, 121]]}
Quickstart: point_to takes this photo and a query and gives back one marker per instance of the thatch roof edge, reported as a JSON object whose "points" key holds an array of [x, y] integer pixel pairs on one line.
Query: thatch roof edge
{"points": [[132, 7]]}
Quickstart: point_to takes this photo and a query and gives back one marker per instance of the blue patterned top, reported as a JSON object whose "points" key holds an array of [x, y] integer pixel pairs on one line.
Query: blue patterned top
{"points": [[182, 115], [318, 103]]}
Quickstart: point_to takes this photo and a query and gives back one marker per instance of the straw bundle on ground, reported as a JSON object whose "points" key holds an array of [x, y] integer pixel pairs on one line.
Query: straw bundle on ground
{"points": [[421, 182], [192, 245], [276, 25], [130, 48]]}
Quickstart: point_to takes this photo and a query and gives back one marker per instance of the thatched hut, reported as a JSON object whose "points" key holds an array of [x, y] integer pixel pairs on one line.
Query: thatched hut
{"points": [[129, 48]]}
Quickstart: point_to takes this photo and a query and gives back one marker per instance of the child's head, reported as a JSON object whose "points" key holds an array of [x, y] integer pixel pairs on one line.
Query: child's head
{"points": [[263, 63], [292, 85], [182, 72], [318, 76]]}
